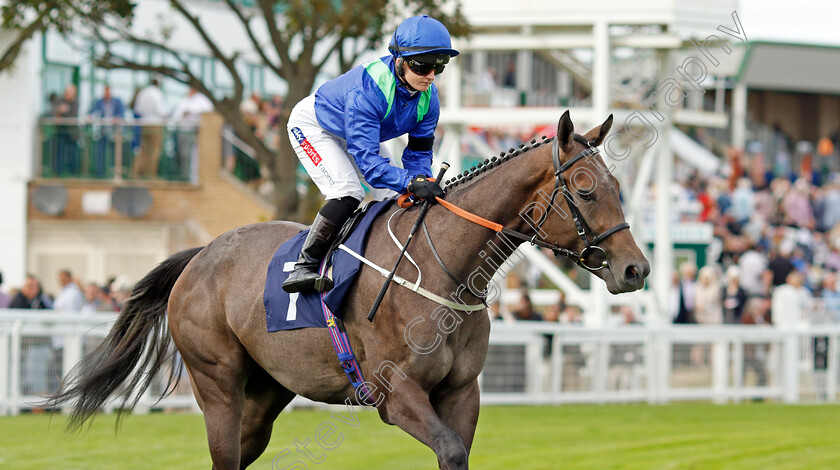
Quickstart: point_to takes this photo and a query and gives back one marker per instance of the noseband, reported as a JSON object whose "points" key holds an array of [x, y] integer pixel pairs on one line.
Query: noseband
{"points": [[583, 229]]}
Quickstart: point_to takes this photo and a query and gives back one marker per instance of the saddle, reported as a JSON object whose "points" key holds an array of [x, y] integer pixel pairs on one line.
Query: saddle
{"points": [[286, 311]]}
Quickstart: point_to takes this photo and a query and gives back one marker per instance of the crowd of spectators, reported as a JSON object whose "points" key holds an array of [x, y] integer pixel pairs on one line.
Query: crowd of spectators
{"points": [[74, 295], [148, 114], [42, 357], [776, 230]]}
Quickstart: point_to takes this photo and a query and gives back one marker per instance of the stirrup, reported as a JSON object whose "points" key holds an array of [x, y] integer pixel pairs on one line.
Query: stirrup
{"points": [[307, 282]]}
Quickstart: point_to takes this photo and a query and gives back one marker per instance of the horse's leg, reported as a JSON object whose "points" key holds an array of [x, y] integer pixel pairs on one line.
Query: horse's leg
{"points": [[408, 407], [264, 400], [459, 410], [218, 374]]}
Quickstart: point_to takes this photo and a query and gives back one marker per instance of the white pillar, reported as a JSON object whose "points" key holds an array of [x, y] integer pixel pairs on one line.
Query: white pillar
{"points": [[20, 89], [524, 72], [601, 71], [663, 252], [454, 72], [739, 116], [600, 108]]}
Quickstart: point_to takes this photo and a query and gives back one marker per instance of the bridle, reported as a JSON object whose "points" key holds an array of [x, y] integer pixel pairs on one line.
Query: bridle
{"points": [[583, 229], [593, 253]]}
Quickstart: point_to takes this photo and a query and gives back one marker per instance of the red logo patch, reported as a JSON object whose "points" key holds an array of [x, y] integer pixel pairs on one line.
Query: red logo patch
{"points": [[310, 152]]}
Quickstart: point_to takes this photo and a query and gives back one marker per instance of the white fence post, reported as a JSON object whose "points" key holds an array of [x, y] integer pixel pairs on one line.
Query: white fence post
{"points": [[832, 372], [4, 370], [71, 356], [790, 366], [720, 371], [737, 366], [14, 369]]}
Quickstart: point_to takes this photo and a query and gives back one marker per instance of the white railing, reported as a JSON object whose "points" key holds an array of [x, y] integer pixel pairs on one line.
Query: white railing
{"points": [[532, 363], [528, 362], [37, 349]]}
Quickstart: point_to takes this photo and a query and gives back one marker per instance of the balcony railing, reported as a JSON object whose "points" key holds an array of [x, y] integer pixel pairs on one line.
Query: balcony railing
{"points": [[118, 150]]}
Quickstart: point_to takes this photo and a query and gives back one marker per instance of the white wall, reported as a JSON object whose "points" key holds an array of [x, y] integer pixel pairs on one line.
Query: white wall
{"points": [[19, 88]]}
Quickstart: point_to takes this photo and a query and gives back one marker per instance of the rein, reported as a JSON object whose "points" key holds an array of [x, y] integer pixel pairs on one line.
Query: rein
{"points": [[583, 229]]}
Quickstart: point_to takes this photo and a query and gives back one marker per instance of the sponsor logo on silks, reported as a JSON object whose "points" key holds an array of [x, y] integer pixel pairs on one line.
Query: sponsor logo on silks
{"points": [[306, 146], [327, 175]]}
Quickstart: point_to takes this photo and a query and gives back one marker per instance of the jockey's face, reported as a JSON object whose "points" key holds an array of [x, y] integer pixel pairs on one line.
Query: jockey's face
{"points": [[418, 82]]}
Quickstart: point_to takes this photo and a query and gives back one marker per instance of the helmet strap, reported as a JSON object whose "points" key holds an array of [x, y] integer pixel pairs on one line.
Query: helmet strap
{"points": [[401, 74]]}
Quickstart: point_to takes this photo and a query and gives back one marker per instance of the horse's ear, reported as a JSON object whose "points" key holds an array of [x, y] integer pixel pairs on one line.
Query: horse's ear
{"points": [[565, 132], [597, 135]]}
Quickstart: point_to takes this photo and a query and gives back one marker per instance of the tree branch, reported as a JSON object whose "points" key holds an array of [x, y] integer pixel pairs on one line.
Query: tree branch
{"points": [[246, 23], [337, 45], [280, 45], [16, 46], [226, 61]]}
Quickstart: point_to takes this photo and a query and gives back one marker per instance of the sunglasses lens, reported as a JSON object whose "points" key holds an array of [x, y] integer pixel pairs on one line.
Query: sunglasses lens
{"points": [[423, 68]]}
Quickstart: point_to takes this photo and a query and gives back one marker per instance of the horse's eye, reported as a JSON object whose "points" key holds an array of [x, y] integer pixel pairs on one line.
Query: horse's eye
{"points": [[586, 196]]}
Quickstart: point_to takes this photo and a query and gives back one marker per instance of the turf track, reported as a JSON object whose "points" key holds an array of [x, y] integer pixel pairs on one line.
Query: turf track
{"points": [[693, 436]]}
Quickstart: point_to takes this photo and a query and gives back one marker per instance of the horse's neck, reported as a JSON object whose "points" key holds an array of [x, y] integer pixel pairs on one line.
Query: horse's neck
{"points": [[472, 252]]}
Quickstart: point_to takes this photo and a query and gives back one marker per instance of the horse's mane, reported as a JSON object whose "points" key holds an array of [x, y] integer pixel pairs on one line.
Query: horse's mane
{"points": [[491, 163]]}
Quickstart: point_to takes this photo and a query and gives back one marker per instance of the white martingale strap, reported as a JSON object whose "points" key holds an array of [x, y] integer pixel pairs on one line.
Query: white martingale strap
{"points": [[400, 247], [413, 287]]}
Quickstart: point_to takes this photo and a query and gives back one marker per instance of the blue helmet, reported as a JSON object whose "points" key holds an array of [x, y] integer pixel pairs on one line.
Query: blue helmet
{"points": [[421, 35]]}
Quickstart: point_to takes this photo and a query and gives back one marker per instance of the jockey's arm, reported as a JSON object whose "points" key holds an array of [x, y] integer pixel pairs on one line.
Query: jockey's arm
{"points": [[362, 133], [417, 157]]}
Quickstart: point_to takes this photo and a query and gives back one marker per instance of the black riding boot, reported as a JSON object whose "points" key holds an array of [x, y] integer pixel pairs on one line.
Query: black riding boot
{"points": [[305, 277]]}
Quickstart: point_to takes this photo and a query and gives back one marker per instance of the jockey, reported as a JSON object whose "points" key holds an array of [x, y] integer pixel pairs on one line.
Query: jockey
{"points": [[337, 134]]}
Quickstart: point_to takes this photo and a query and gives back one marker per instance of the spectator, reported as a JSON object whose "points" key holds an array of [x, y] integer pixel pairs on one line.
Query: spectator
{"points": [[150, 109], [687, 285], [35, 350], [110, 109], [120, 291], [96, 300], [5, 299], [70, 299], [107, 107], [789, 300], [571, 315], [31, 296], [552, 314], [781, 265], [67, 152], [734, 297], [831, 214], [752, 265], [486, 82], [743, 205], [510, 76], [525, 310], [188, 114], [797, 206], [707, 301]]}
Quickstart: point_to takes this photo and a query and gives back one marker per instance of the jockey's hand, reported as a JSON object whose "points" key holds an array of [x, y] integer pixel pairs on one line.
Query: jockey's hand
{"points": [[425, 188]]}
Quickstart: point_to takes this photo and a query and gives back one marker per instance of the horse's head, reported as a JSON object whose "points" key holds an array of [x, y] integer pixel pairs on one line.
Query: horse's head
{"points": [[590, 223]]}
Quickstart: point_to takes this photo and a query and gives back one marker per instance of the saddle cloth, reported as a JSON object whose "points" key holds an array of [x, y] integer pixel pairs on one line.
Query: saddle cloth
{"points": [[284, 311]]}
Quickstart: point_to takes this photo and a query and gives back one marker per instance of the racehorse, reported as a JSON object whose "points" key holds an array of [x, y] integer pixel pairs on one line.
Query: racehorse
{"points": [[243, 376]]}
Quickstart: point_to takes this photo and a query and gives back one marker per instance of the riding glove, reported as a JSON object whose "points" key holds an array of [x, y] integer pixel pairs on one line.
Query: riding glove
{"points": [[425, 188]]}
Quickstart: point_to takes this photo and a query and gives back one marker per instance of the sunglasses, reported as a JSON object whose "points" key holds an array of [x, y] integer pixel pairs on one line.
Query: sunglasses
{"points": [[423, 68]]}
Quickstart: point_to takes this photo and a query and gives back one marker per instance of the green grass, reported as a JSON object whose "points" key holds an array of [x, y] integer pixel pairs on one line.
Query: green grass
{"points": [[683, 436]]}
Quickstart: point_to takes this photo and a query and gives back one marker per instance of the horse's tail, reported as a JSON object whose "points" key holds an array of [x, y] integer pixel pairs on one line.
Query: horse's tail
{"points": [[133, 352]]}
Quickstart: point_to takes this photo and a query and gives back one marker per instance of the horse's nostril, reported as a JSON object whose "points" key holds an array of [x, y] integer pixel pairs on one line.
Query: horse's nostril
{"points": [[631, 274]]}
